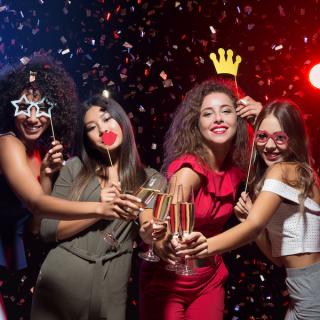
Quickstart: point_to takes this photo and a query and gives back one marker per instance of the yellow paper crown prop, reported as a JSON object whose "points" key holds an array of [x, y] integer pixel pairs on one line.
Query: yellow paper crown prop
{"points": [[226, 65]]}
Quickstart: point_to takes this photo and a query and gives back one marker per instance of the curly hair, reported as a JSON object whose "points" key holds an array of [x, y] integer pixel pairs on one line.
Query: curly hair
{"points": [[52, 81], [184, 135], [291, 121]]}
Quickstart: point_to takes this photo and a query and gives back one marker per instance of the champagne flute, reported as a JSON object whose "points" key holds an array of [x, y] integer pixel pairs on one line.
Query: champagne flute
{"points": [[174, 227], [174, 223], [146, 192], [187, 224], [160, 212]]}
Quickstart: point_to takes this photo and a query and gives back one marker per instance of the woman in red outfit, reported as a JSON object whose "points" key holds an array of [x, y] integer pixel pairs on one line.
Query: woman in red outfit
{"points": [[205, 148]]}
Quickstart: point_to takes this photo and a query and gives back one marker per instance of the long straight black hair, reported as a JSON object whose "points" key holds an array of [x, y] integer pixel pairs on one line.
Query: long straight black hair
{"points": [[131, 171]]}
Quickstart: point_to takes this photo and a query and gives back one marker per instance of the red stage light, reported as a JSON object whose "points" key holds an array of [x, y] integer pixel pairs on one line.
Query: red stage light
{"points": [[314, 76]]}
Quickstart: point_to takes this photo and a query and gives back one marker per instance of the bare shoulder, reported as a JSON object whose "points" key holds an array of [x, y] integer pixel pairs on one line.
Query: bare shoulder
{"points": [[11, 148], [283, 171], [10, 141]]}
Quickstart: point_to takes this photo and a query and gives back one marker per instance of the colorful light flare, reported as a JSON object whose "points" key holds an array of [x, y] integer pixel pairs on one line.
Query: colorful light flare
{"points": [[314, 76]]}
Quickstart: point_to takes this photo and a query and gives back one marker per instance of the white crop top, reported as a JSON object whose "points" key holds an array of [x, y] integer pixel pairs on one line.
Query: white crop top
{"points": [[290, 231]]}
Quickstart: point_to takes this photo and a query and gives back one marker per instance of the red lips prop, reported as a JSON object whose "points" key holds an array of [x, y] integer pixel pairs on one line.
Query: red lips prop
{"points": [[109, 138]]}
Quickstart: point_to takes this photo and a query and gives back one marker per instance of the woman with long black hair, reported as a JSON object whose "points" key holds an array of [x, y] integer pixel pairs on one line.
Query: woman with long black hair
{"points": [[85, 276]]}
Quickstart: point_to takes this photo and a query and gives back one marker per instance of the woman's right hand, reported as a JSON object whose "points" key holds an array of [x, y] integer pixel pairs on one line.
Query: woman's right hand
{"points": [[110, 192], [150, 231], [243, 207], [117, 205], [164, 249], [248, 108]]}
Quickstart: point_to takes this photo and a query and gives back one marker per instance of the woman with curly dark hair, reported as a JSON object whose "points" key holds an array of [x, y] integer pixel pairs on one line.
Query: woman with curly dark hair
{"points": [[25, 144], [32, 96], [205, 148], [47, 78]]}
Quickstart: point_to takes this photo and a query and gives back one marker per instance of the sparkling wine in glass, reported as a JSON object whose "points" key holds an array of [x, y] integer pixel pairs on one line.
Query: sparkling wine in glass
{"points": [[146, 195], [160, 212], [174, 223], [186, 224], [174, 228], [186, 217], [146, 192]]}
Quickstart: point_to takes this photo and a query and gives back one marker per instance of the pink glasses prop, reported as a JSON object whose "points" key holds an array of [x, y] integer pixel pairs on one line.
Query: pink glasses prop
{"points": [[280, 138]]}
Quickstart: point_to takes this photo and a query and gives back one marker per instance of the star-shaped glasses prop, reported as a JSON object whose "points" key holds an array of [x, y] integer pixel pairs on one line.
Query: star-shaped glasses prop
{"points": [[24, 106]]}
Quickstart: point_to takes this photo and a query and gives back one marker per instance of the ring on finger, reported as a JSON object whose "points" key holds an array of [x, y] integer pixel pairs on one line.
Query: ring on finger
{"points": [[244, 101]]}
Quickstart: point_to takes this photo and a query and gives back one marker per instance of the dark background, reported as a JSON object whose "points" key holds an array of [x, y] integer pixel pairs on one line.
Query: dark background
{"points": [[149, 53], [173, 37]]}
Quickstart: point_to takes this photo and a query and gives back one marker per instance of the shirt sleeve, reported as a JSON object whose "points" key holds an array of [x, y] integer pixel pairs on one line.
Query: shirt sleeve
{"points": [[61, 189], [189, 161]]}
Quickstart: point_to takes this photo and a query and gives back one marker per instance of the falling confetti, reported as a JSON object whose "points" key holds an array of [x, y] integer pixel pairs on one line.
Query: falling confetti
{"points": [[147, 55]]}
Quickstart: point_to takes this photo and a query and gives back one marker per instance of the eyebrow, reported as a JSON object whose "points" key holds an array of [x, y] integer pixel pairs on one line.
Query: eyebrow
{"points": [[222, 106], [89, 122], [103, 113]]}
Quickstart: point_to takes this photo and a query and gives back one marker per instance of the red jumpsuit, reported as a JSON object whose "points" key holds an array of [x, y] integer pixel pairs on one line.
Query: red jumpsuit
{"points": [[167, 296]]}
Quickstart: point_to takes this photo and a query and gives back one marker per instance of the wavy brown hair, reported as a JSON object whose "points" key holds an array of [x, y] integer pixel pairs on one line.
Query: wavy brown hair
{"points": [[291, 121], [184, 135], [131, 171]]}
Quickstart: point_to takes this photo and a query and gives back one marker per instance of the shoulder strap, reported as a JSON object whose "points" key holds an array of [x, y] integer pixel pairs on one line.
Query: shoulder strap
{"points": [[288, 192], [10, 133]]}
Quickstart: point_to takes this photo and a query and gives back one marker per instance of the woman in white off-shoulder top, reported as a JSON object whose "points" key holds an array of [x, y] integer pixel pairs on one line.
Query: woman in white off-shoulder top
{"points": [[284, 219]]}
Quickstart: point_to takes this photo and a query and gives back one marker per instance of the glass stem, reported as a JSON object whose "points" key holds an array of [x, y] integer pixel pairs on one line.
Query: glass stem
{"points": [[151, 246]]}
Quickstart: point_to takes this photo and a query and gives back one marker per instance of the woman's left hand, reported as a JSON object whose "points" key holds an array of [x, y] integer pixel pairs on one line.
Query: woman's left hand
{"points": [[53, 160], [193, 246], [248, 108], [128, 206]]}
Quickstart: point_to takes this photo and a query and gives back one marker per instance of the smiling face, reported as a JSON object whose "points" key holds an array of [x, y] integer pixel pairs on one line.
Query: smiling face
{"points": [[269, 148], [31, 128], [98, 122], [218, 119]]}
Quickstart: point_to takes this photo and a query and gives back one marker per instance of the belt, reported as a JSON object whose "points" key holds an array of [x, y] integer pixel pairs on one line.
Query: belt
{"points": [[204, 262], [99, 261]]}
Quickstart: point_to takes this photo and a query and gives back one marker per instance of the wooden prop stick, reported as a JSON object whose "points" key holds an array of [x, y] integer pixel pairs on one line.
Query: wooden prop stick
{"points": [[237, 88], [251, 156], [109, 157], [53, 135], [249, 168]]}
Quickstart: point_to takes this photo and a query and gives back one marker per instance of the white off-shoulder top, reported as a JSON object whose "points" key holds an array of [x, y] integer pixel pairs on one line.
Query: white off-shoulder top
{"points": [[290, 231]]}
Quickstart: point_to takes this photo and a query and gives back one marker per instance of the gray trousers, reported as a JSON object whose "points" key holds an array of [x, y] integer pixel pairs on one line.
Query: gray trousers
{"points": [[304, 290]]}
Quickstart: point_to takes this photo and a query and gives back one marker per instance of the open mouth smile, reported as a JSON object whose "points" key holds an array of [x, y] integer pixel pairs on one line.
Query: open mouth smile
{"points": [[219, 129]]}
